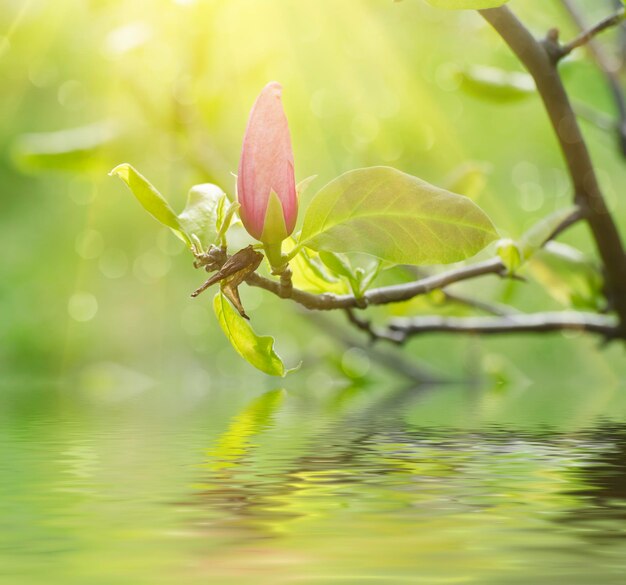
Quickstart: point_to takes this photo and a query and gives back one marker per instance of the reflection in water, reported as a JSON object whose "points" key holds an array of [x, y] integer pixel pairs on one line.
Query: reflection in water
{"points": [[393, 502], [293, 490]]}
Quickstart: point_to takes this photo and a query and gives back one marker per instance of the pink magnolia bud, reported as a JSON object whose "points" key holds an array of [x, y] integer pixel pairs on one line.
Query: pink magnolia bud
{"points": [[266, 187]]}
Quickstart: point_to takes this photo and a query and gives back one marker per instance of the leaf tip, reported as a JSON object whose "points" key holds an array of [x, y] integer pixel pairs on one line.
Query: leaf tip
{"points": [[120, 171]]}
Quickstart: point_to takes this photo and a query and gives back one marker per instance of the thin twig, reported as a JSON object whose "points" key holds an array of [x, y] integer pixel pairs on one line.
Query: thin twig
{"points": [[394, 361], [373, 332], [588, 35], [608, 70], [490, 308], [538, 58], [589, 114], [522, 323]]}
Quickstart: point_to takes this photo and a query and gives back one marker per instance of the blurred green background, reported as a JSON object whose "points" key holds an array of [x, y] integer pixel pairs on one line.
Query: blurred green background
{"points": [[137, 447], [92, 288]]}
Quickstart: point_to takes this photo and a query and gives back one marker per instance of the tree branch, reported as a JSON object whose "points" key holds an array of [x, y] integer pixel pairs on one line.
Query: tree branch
{"points": [[587, 35], [521, 323], [400, 292], [373, 332], [394, 361], [539, 59], [380, 296], [608, 70]]}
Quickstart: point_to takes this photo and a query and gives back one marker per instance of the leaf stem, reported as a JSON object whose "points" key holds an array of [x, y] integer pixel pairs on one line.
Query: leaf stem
{"points": [[274, 254]]}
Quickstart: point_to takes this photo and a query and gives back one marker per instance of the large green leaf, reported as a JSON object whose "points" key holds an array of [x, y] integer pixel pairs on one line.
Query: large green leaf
{"points": [[200, 214], [396, 217], [257, 350], [466, 4], [151, 200]]}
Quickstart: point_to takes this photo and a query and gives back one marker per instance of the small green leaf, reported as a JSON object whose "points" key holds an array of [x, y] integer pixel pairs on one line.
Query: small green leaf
{"points": [[510, 254], [221, 210], [359, 278], [539, 233], [225, 218], [255, 349], [496, 84], [466, 4], [151, 200], [200, 214], [308, 272], [568, 276], [396, 217], [338, 263], [364, 278]]}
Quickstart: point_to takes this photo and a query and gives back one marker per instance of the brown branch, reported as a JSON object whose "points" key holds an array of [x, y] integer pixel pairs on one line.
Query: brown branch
{"points": [[522, 323], [399, 292], [373, 332], [539, 60], [380, 296], [588, 35], [609, 72]]}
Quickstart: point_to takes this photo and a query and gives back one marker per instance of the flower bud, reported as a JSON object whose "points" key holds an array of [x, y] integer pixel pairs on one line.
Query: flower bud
{"points": [[266, 188]]}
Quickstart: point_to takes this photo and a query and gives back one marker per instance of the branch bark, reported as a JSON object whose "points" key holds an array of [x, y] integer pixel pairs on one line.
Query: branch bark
{"points": [[380, 296], [395, 293], [588, 35], [609, 71], [528, 323], [540, 60]]}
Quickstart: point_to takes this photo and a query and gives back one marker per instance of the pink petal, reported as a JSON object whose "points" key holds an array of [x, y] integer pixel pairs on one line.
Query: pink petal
{"points": [[266, 163]]}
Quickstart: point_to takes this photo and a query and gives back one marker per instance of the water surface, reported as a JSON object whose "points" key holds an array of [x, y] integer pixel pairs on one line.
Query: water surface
{"points": [[351, 486]]}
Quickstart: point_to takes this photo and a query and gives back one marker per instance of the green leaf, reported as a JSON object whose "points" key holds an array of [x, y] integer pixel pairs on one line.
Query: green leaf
{"points": [[74, 149], [151, 200], [364, 278], [396, 217], [200, 214], [539, 233], [303, 185], [338, 263], [255, 349], [496, 84], [308, 273], [469, 179], [510, 254], [568, 276], [359, 278], [466, 4], [225, 218]]}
